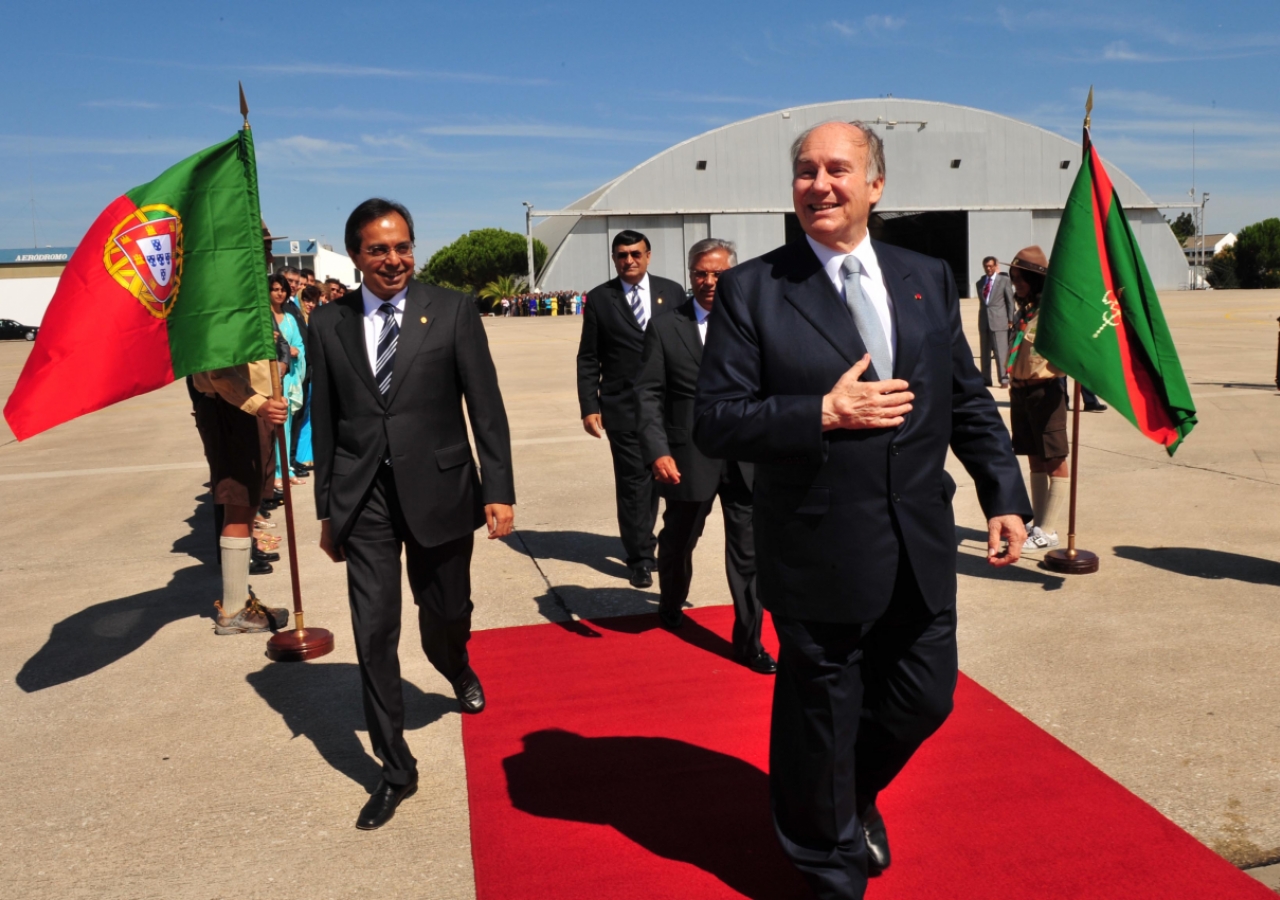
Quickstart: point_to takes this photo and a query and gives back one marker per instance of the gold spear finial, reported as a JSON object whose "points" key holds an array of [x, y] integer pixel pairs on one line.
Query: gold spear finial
{"points": [[1088, 107], [244, 105]]}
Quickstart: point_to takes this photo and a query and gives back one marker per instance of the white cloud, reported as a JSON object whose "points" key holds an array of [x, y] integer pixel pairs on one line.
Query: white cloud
{"points": [[122, 104], [884, 23], [843, 28], [544, 130]]}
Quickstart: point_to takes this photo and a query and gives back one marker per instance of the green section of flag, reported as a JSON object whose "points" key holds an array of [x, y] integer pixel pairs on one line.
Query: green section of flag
{"points": [[222, 314], [1085, 328]]}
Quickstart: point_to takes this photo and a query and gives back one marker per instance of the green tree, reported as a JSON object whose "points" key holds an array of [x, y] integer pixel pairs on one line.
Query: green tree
{"points": [[1257, 255], [504, 286], [1183, 227], [1222, 271], [480, 257]]}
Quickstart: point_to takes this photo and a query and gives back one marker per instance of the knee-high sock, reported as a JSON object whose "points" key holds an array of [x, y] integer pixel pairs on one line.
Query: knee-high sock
{"points": [[1059, 491], [235, 573], [1039, 496]]}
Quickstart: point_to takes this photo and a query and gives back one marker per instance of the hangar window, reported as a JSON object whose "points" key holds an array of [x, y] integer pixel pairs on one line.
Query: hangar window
{"points": [[955, 163], [702, 165], [1065, 164]]}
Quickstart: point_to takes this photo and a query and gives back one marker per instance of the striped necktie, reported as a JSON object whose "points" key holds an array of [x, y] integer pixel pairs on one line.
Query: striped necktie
{"points": [[866, 318], [637, 306], [386, 348]]}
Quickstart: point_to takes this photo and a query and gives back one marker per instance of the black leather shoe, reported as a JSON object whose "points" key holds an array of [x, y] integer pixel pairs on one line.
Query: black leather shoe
{"points": [[382, 804], [641, 577], [671, 619], [877, 841], [1094, 407], [466, 687], [264, 555], [761, 662], [260, 567]]}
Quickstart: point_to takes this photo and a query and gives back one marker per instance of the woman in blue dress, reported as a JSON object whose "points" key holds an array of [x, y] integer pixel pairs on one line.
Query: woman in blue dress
{"points": [[293, 370]]}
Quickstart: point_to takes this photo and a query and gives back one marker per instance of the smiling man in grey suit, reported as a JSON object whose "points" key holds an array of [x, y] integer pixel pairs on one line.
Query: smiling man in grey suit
{"points": [[997, 308], [393, 364]]}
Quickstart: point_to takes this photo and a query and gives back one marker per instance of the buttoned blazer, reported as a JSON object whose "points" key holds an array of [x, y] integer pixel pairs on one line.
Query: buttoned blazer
{"points": [[610, 347], [442, 359], [834, 509], [665, 390], [1002, 306]]}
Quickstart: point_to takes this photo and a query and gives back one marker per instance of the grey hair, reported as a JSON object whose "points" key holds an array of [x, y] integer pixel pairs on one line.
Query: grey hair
{"points": [[875, 147], [706, 245]]}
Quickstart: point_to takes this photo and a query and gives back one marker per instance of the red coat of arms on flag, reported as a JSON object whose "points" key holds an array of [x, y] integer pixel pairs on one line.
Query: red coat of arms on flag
{"points": [[144, 255]]}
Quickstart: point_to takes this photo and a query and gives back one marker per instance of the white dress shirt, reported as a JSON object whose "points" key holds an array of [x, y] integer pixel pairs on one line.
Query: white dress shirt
{"points": [[702, 315], [645, 297], [872, 280], [375, 320]]}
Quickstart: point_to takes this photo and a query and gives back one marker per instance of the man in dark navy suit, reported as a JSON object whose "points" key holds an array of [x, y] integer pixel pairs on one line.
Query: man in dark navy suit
{"points": [[613, 326], [688, 480], [838, 366]]}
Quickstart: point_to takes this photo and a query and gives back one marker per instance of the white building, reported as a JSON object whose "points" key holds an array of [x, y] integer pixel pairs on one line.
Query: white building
{"points": [[961, 184], [320, 258], [27, 281], [1199, 250]]}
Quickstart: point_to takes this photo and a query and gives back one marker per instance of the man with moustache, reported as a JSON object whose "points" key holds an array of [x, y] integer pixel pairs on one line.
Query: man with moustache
{"points": [[613, 326], [688, 480], [997, 308], [837, 364], [393, 364]]}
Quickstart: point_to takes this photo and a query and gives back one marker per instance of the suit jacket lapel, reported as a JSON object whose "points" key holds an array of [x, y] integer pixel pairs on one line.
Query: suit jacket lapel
{"points": [[689, 330], [909, 319], [814, 297], [414, 325], [351, 336]]}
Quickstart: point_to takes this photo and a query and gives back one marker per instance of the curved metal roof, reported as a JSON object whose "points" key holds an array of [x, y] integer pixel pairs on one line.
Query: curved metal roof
{"points": [[1003, 164]]}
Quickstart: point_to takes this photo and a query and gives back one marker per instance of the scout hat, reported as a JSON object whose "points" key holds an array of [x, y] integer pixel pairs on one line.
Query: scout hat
{"points": [[1031, 259]]}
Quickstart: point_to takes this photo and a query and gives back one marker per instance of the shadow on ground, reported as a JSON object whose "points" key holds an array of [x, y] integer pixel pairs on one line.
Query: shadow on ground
{"points": [[598, 551], [676, 800], [107, 632], [321, 702], [978, 567], [1199, 562]]}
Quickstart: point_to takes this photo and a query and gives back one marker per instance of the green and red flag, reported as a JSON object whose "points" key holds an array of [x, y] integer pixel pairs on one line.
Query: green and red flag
{"points": [[169, 280], [1100, 318]]}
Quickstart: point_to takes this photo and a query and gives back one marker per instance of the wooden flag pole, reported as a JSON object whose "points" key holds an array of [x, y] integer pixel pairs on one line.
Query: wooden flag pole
{"points": [[1073, 561], [302, 642]]}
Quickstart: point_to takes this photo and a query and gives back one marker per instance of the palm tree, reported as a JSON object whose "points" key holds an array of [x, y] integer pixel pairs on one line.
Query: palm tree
{"points": [[503, 286]]}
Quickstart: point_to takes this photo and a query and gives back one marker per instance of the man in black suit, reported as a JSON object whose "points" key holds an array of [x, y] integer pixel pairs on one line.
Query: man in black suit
{"points": [[854, 527], [688, 480], [613, 325], [393, 364], [997, 308]]}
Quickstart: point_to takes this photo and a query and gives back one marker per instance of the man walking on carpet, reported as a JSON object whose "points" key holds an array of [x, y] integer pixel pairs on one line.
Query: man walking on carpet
{"points": [[837, 365], [688, 480], [393, 364], [613, 327]]}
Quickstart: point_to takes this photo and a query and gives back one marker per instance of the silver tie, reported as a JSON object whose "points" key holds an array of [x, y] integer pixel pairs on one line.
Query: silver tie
{"points": [[867, 320]]}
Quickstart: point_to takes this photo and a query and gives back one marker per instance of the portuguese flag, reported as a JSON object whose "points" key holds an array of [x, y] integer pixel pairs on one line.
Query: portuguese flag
{"points": [[169, 280], [1100, 318]]}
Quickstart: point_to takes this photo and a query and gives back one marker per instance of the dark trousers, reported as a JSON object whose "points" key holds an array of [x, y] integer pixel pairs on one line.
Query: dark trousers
{"points": [[993, 346], [852, 703], [682, 524], [440, 579], [637, 497]]}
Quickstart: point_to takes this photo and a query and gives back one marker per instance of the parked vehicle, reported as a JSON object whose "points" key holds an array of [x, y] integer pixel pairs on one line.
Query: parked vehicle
{"points": [[12, 331]]}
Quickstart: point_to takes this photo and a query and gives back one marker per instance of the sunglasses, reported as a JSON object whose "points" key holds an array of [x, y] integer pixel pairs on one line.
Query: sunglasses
{"points": [[628, 254]]}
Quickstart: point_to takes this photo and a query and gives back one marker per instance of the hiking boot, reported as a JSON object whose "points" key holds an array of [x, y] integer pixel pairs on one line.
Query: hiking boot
{"points": [[250, 620], [278, 615], [1039, 539]]}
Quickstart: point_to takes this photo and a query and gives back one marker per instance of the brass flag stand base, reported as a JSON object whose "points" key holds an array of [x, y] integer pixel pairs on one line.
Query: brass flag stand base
{"points": [[300, 643], [1072, 561]]}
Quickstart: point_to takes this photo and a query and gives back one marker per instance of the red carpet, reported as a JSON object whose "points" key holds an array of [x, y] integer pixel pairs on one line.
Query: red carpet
{"points": [[617, 761]]}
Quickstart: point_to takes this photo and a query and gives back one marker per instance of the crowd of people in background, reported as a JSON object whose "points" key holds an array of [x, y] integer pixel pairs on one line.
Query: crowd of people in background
{"points": [[556, 303]]}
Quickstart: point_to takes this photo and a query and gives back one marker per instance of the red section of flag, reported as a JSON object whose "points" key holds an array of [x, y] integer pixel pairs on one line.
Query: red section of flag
{"points": [[97, 344]]}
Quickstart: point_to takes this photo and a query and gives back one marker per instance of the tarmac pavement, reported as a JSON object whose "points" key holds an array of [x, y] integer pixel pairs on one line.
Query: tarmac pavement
{"points": [[146, 758]]}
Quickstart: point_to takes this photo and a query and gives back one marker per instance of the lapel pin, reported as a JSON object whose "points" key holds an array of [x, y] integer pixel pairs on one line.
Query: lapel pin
{"points": [[659, 299], [424, 318], [918, 297]]}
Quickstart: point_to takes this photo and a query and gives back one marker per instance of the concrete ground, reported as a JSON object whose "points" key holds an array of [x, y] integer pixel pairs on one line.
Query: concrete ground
{"points": [[146, 758]]}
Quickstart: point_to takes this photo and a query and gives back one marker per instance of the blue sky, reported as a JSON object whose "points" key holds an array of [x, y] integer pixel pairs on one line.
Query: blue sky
{"points": [[462, 110]]}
